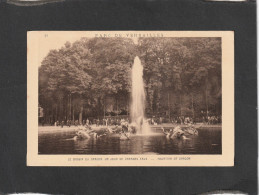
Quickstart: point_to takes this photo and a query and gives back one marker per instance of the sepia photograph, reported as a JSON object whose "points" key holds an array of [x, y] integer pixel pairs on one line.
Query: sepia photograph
{"points": [[128, 97], [131, 93]]}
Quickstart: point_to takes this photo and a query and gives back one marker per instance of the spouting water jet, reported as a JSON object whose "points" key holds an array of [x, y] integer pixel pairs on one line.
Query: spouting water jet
{"points": [[138, 98]]}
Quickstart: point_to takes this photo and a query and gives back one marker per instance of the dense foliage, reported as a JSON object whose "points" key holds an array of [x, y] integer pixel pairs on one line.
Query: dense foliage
{"points": [[91, 77]]}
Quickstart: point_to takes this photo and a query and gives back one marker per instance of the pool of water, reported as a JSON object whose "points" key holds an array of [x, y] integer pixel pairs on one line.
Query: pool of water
{"points": [[207, 142]]}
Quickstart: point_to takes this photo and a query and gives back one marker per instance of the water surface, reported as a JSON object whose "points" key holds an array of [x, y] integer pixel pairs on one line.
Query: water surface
{"points": [[207, 142]]}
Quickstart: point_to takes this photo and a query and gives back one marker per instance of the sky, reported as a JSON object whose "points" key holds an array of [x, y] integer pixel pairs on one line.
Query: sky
{"points": [[53, 42]]}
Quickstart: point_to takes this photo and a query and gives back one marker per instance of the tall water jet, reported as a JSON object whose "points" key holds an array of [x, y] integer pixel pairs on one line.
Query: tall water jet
{"points": [[138, 98]]}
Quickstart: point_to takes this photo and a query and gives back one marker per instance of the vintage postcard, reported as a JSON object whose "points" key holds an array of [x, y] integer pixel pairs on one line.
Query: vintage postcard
{"points": [[130, 98]]}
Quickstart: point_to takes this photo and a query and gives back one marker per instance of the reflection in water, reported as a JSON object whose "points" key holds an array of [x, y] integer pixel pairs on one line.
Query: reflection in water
{"points": [[208, 142]]}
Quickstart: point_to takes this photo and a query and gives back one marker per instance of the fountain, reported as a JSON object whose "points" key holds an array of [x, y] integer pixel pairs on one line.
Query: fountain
{"points": [[138, 98]]}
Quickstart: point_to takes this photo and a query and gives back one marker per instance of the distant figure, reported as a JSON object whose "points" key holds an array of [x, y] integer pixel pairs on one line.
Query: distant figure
{"points": [[42, 122], [68, 123], [112, 122], [203, 120], [62, 124], [152, 121], [160, 120], [109, 122]]}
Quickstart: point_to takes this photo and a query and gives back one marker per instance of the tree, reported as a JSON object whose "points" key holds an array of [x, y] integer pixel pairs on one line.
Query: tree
{"points": [[182, 76]]}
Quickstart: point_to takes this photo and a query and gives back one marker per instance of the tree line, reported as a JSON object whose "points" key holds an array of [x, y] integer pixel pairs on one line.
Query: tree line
{"points": [[182, 77]]}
